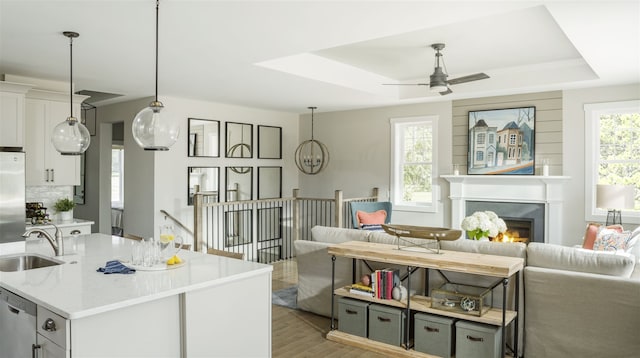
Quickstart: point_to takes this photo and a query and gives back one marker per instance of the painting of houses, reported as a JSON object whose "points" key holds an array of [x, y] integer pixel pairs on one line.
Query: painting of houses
{"points": [[502, 141]]}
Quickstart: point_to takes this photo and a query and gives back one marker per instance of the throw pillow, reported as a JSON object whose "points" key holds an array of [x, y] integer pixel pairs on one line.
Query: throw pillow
{"points": [[592, 232], [376, 217], [611, 240], [371, 227]]}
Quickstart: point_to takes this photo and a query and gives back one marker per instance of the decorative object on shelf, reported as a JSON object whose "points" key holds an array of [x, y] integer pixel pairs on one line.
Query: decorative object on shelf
{"points": [[64, 209], [204, 138], [70, 137], [399, 293], [431, 234], [614, 198], [150, 130], [483, 224], [455, 297], [545, 167], [456, 169], [312, 156], [502, 141]]}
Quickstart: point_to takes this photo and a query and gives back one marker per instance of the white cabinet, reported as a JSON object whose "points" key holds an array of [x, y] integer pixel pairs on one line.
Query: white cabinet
{"points": [[53, 334], [12, 108], [48, 349], [44, 164]]}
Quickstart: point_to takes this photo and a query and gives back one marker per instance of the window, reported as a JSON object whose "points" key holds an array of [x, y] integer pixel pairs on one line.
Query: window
{"points": [[512, 139], [413, 144], [481, 137], [117, 176], [479, 156], [490, 138], [612, 153]]}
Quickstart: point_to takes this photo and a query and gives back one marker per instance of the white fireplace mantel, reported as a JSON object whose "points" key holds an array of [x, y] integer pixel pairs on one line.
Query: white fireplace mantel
{"points": [[547, 190]]}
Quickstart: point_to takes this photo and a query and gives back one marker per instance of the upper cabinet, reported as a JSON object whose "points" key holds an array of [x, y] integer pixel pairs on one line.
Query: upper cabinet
{"points": [[12, 109], [44, 164]]}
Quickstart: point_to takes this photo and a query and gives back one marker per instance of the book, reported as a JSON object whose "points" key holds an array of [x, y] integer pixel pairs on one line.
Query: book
{"points": [[361, 287], [360, 292]]}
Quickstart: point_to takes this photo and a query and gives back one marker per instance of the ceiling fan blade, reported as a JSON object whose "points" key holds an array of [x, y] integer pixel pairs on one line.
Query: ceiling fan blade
{"points": [[446, 92], [405, 84], [474, 77]]}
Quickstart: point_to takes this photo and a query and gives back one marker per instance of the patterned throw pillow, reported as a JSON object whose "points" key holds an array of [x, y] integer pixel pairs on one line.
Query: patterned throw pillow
{"points": [[376, 217], [593, 229], [611, 240]]}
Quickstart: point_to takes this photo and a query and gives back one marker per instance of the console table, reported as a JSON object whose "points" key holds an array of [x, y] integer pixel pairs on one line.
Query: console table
{"points": [[502, 267]]}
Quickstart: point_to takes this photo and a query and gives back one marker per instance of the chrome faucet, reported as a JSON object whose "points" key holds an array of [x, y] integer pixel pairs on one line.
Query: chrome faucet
{"points": [[56, 243]]}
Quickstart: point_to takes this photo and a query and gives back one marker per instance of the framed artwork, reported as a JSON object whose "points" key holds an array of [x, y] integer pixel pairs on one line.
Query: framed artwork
{"points": [[207, 179], [239, 140], [204, 138], [502, 142], [269, 142], [269, 182]]}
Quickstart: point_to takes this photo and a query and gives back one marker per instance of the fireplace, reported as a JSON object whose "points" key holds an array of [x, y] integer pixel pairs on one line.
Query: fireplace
{"points": [[518, 230], [525, 219], [520, 198]]}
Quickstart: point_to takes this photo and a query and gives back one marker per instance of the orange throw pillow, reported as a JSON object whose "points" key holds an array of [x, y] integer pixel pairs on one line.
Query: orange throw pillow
{"points": [[592, 233], [376, 217]]}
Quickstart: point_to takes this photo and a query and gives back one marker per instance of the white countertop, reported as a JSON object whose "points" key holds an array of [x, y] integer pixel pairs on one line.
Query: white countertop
{"points": [[74, 222], [75, 290]]}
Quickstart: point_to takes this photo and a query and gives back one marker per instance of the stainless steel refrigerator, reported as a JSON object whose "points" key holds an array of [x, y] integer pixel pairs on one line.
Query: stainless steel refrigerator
{"points": [[12, 197]]}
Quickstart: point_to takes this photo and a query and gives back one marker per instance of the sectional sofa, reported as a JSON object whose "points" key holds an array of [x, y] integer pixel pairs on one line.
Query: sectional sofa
{"points": [[574, 303]]}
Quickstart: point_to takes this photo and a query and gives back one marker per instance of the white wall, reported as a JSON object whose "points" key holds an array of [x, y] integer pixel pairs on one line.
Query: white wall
{"points": [[574, 150], [157, 181], [359, 148]]}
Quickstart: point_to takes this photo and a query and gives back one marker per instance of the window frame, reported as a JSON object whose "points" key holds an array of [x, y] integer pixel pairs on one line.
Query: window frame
{"points": [[592, 113], [120, 203], [396, 125]]}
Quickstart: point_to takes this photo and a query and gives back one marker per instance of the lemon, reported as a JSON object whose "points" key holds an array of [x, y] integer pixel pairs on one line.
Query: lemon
{"points": [[171, 261], [178, 260], [166, 238]]}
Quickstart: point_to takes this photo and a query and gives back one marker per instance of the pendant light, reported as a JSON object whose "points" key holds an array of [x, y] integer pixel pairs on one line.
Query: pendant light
{"points": [[312, 156], [151, 130], [70, 137]]}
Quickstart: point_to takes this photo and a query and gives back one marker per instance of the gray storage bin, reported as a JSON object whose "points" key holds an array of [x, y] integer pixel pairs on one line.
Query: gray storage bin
{"points": [[434, 334], [352, 316], [476, 340], [386, 324]]}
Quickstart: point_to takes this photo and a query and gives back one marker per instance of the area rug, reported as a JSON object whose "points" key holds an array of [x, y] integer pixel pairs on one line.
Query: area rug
{"points": [[285, 297]]}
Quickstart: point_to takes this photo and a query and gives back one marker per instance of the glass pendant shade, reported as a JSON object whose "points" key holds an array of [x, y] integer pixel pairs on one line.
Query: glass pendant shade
{"points": [[70, 137], [154, 128]]}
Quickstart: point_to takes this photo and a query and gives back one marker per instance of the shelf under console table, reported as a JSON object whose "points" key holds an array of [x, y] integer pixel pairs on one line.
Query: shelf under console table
{"points": [[502, 267]]}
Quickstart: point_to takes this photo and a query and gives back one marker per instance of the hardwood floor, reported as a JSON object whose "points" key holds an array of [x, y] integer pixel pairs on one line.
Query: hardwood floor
{"points": [[297, 333]]}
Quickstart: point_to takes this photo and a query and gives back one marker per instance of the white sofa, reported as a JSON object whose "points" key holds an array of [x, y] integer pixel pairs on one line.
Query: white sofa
{"points": [[573, 303]]}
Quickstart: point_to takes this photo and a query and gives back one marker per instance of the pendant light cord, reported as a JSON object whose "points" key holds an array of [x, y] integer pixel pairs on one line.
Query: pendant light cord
{"points": [[157, 11], [312, 108], [71, 77]]}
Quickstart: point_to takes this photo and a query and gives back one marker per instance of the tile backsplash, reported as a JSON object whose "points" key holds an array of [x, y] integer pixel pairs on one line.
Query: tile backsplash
{"points": [[48, 195]]}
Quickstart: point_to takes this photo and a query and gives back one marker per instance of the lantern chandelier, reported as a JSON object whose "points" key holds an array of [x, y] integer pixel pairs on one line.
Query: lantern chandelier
{"points": [[70, 137], [312, 156], [150, 130]]}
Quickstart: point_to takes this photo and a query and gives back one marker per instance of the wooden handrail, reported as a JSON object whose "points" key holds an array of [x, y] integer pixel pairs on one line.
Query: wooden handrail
{"points": [[166, 214]]}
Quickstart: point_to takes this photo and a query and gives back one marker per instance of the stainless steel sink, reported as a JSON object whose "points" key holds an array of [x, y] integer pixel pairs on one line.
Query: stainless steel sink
{"points": [[22, 262]]}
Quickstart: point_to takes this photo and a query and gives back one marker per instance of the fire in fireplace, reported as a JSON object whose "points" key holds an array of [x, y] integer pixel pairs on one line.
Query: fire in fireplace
{"points": [[518, 230]]}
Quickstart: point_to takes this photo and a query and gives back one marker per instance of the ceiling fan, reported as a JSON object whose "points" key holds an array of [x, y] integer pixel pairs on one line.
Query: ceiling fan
{"points": [[438, 80]]}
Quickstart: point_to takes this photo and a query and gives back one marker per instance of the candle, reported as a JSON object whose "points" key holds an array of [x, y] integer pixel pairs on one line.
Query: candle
{"points": [[456, 169], [545, 167]]}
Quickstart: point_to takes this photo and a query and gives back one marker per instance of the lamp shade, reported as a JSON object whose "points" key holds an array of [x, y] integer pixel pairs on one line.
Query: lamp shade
{"points": [[70, 137], [614, 196], [154, 128], [438, 80]]}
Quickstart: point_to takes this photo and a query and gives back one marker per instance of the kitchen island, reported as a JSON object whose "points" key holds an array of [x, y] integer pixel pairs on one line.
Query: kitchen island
{"points": [[210, 306]]}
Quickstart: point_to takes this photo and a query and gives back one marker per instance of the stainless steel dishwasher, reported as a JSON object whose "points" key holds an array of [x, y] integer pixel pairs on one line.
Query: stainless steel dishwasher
{"points": [[17, 325]]}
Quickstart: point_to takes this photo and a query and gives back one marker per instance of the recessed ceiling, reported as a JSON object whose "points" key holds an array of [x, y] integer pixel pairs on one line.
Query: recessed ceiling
{"points": [[288, 55]]}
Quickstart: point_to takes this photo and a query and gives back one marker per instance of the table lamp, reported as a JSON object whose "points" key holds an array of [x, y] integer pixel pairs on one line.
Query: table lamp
{"points": [[614, 198]]}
